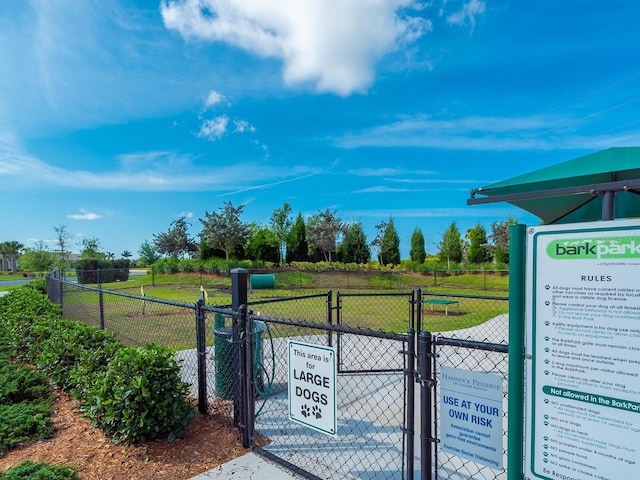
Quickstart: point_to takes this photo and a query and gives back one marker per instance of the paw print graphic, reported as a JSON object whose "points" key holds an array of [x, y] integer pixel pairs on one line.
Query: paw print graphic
{"points": [[304, 410], [316, 411]]}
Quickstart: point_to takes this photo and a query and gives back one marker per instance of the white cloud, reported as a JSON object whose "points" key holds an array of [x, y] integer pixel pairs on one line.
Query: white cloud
{"points": [[541, 132], [214, 129], [85, 215], [185, 215], [140, 172], [213, 98], [332, 45], [136, 160], [242, 126], [467, 14], [387, 172], [385, 189]]}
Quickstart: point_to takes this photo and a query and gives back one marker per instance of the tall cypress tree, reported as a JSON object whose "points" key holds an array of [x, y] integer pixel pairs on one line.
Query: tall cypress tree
{"points": [[451, 245], [418, 253], [390, 247], [354, 247], [297, 247], [478, 248]]}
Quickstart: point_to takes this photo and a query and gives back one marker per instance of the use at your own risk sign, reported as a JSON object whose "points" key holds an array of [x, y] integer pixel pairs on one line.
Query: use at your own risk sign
{"points": [[471, 415], [312, 386]]}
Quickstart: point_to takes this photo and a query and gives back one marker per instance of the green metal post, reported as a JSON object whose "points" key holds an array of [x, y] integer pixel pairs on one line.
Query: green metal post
{"points": [[515, 433]]}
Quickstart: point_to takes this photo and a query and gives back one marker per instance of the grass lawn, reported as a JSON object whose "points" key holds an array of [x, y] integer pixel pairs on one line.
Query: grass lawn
{"points": [[365, 305]]}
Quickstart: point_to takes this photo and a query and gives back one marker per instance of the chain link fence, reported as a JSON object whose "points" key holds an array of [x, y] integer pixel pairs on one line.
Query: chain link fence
{"points": [[376, 378], [479, 348]]}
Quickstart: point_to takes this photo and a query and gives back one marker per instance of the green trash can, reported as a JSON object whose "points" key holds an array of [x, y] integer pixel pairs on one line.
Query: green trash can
{"points": [[223, 350], [223, 345]]}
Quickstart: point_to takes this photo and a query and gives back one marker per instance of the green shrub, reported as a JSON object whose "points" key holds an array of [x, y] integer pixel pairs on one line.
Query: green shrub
{"points": [[92, 363], [28, 470], [20, 383], [25, 402], [132, 394], [5, 348], [39, 285], [19, 311], [26, 302], [218, 266], [139, 396], [24, 421], [63, 351]]}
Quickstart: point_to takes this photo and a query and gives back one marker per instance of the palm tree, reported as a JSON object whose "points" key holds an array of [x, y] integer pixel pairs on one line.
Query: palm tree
{"points": [[14, 248], [4, 251], [127, 255]]}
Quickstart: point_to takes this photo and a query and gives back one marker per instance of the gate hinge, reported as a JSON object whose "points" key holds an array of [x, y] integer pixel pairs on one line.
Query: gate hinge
{"points": [[426, 383]]}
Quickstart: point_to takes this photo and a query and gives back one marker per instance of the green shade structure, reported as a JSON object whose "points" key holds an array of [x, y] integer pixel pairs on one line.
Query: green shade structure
{"points": [[599, 186]]}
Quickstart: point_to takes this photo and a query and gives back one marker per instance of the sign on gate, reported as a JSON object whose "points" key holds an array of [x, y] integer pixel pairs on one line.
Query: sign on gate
{"points": [[312, 386], [583, 351], [471, 415]]}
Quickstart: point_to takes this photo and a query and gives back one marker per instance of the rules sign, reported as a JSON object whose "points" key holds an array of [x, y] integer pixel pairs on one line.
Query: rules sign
{"points": [[312, 386]]}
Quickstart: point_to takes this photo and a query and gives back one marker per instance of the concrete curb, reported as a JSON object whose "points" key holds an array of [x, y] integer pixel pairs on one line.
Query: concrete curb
{"points": [[250, 466]]}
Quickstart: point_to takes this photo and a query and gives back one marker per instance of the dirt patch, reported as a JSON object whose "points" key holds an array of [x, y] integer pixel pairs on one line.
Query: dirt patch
{"points": [[209, 441]]}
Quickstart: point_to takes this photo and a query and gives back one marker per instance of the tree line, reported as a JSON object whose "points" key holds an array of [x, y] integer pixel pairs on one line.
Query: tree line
{"points": [[283, 240], [322, 237], [41, 259]]}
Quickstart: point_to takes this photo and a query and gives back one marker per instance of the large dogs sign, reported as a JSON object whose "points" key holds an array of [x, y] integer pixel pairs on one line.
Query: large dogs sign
{"points": [[312, 386]]}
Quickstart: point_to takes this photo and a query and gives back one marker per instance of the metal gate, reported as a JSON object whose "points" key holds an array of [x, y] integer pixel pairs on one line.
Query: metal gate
{"points": [[372, 415], [388, 407], [394, 311]]}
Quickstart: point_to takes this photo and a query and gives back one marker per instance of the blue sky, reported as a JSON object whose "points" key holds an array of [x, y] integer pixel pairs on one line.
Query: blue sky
{"points": [[118, 117]]}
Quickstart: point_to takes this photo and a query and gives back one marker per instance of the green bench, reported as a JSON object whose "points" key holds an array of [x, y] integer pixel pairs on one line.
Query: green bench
{"points": [[442, 301]]}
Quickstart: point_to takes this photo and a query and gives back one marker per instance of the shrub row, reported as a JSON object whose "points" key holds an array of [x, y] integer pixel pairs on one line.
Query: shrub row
{"points": [[221, 267], [215, 266], [25, 402], [133, 394], [102, 271]]}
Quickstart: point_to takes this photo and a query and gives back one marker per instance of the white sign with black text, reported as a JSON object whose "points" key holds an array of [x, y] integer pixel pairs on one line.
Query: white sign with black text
{"points": [[312, 386], [583, 351]]}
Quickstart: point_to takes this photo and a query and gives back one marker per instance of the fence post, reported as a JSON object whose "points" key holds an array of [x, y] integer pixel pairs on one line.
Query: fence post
{"points": [[100, 299], [59, 278], [249, 384], [201, 345], [418, 322], [330, 315], [517, 262], [239, 296], [410, 378], [426, 404], [239, 289]]}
